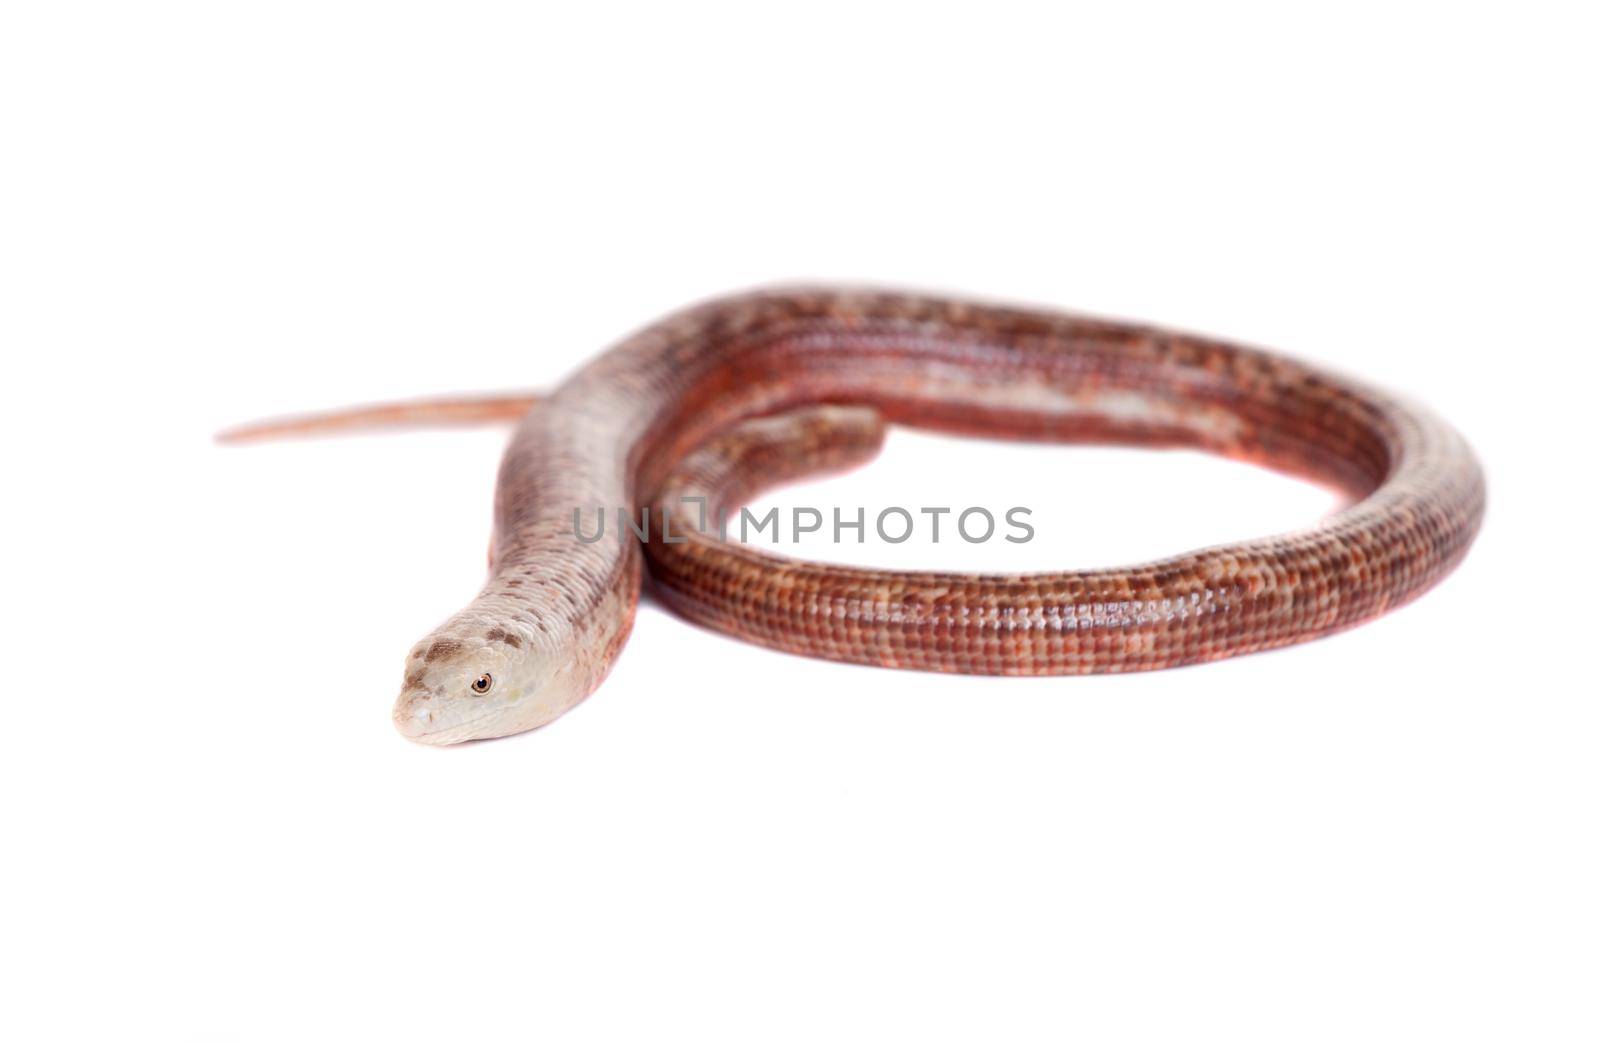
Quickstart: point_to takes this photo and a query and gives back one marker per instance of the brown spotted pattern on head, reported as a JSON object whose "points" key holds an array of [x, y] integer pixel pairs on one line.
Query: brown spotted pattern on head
{"points": [[497, 633], [443, 649]]}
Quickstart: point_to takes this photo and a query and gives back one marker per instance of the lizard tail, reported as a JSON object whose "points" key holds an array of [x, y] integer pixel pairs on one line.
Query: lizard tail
{"points": [[424, 412]]}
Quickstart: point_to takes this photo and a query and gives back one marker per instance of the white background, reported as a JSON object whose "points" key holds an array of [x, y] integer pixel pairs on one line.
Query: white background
{"points": [[216, 211]]}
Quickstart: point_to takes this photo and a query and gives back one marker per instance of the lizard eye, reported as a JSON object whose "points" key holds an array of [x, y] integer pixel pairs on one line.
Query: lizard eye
{"points": [[482, 684]]}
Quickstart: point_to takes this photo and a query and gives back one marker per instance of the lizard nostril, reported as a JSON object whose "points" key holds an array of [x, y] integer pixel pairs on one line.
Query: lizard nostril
{"points": [[413, 716]]}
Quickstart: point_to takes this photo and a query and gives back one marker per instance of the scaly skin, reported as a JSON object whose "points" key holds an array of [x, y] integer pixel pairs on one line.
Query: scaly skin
{"points": [[556, 611]]}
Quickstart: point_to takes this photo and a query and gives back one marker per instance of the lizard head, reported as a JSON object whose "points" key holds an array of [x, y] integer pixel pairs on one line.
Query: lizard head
{"points": [[476, 677]]}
